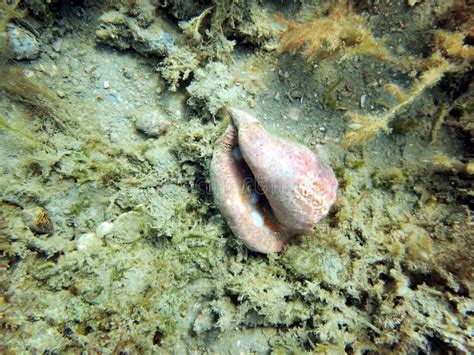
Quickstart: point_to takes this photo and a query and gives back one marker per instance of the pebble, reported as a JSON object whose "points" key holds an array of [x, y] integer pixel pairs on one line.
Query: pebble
{"points": [[400, 49], [127, 228], [294, 113], [88, 242], [89, 68], [37, 220], [152, 123], [57, 45], [104, 228], [355, 126], [23, 44], [251, 101]]}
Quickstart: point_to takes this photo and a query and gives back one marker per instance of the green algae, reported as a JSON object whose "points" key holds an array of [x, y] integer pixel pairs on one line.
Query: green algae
{"points": [[389, 178], [330, 98], [40, 100]]}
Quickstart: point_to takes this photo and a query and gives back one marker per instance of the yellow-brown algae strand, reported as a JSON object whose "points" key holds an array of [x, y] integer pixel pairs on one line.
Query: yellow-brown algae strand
{"points": [[38, 220], [239, 203], [299, 187]]}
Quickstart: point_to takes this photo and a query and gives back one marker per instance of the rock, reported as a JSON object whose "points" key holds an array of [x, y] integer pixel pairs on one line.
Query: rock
{"points": [[127, 228], [89, 243], [124, 32], [162, 160], [323, 264], [37, 220], [23, 44], [104, 228], [152, 123], [214, 87], [203, 322]]}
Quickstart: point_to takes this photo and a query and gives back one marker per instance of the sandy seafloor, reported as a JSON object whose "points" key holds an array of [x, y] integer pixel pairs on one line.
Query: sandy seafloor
{"points": [[110, 240]]}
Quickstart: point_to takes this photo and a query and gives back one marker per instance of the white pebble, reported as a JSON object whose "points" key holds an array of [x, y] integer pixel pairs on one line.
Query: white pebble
{"points": [[355, 126], [104, 228], [88, 242]]}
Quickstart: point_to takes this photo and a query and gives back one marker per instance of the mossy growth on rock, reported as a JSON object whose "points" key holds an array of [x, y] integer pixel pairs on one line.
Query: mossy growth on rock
{"points": [[390, 178]]}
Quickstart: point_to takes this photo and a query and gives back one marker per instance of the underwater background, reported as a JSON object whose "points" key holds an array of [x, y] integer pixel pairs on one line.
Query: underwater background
{"points": [[110, 239]]}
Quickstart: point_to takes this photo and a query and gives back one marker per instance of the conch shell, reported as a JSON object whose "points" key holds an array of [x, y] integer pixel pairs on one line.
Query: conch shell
{"points": [[267, 188]]}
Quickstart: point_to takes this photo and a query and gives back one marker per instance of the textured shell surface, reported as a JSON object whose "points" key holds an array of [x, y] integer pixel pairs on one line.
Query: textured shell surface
{"points": [[299, 186]]}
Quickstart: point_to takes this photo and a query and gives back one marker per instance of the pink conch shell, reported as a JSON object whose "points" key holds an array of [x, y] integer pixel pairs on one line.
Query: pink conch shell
{"points": [[234, 193], [296, 184]]}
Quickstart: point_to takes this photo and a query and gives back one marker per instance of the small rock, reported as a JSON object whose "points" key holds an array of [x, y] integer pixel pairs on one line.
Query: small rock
{"points": [[362, 100], [161, 159], [400, 49], [294, 113], [127, 228], [104, 228], [203, 322], [23, 44], [57, 45], [88, 243], [355, 126], [89, 68], [152, 124], [37, 220], [251, 101]]}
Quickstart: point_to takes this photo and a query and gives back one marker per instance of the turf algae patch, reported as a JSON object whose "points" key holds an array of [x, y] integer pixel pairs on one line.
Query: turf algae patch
{"points": [[39, 100]]}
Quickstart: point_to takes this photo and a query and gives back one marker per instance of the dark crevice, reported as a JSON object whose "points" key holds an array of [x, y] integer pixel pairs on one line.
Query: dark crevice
{"points": [[158, 337], [439, 347], [360, 303], [431, 279]]}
